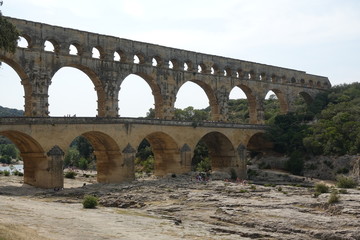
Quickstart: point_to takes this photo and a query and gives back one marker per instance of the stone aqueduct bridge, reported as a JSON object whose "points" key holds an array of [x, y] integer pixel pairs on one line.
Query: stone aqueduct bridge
{"points": [[42, 140]]}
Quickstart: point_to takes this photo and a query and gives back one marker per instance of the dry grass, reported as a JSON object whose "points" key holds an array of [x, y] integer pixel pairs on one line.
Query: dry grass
{"points": [[14, 232]]}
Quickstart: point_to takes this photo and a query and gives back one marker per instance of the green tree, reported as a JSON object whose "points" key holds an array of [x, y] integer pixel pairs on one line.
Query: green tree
{"points": [[8, 35], [9, 150], [287, 133], [201, 157], [337, 129], [72, 157]]}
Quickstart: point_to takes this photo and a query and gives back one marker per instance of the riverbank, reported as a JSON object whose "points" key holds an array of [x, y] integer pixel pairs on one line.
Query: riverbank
{"points": [[178, 208]]}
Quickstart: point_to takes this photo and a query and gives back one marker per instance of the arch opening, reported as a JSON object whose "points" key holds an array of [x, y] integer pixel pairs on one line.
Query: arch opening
{"points": [[215, 152], [271, 106], [23, 42], [80, 156], [239, 105], [49, 46], [258, 146], [72, 93], [12, 93], [30, 152], [136, 97], [74, 49], [190, 108], [165, 152], [144, 160], [117, 57], [98, 153], [95, 53]]}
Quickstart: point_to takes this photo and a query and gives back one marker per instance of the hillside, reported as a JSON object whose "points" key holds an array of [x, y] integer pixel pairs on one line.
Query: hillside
{"points": [[10, 112]]}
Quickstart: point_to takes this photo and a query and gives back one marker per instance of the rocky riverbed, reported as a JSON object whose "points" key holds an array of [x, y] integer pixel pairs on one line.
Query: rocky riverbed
{"points": [[180, 207]]}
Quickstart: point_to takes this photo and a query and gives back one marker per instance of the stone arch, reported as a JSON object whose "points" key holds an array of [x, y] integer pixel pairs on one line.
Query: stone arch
{"points": [[98, 85], [227, 71], [78, 46], [122, 55], [101, 52], [28, 40], [156, 91], [33, 155], [108, 157], [140, 58], [157, 59], [214, 69], [188, 65], [25, 81], [284, 105], [54, 43], [307, 97], [251, 102], [166, 153], [221, 152], [214, 105], [257, 143]]}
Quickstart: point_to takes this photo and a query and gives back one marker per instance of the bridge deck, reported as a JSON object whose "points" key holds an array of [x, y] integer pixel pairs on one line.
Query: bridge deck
{"points": [[97, 120]]}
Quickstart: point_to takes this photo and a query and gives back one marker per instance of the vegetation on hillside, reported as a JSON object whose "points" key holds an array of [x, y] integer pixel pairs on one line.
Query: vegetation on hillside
{"points": [[10, 112]]}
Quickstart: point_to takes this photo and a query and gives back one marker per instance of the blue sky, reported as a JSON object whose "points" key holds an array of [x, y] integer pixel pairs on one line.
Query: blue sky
{"points": [[321, 37]]}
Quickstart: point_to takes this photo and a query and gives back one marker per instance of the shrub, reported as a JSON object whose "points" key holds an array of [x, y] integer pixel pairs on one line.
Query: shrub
{"points": [[70, 174], [321, 188], [334, 197], [90, 201], [233, 174], [295, 164], [6, 173], [345, 182], [204, 165]]}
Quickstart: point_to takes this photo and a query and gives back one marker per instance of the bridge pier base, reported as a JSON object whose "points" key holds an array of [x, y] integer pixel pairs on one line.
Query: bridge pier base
{"points": [[44, 172]]}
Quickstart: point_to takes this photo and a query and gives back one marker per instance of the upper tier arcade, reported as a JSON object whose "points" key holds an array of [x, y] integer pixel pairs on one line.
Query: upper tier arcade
{"points": [[165, 69]]}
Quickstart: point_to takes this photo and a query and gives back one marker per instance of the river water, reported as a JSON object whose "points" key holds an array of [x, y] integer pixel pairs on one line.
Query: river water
{"points": [[13, 168]]}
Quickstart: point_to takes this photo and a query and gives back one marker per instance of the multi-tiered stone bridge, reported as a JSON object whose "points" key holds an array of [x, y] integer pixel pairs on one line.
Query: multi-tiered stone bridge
{"points": [[42, 140]]}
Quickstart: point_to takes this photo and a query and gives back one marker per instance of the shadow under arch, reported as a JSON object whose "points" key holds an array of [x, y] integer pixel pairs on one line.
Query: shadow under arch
{"points": [[98, 85], [307, 97], [108, 157], [221, 152], [33, 155], [155, 90], [258, 144], [166, 153], [214, 105], [25, 81]]}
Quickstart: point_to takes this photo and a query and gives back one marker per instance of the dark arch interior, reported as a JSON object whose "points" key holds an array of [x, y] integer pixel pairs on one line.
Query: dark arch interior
{"points": [[219, 150]]}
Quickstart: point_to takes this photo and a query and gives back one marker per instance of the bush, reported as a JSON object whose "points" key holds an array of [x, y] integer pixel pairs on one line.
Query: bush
{"points": [[233, 174], [70, 174], [321, 188], [345, 182], [90, 201], [334, 197], [204, 165], [6, 173], [295, 164]]}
